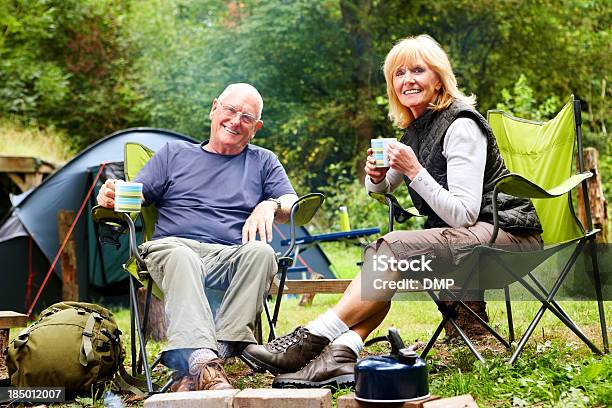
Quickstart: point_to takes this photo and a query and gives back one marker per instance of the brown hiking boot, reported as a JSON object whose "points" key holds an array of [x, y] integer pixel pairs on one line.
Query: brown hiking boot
{"points": [[335, 367], [212, 377], [185, 383], [287, 353]]}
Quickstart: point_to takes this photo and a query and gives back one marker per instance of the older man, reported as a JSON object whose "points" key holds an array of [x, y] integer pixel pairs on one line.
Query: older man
{"points": [[214, 199]]}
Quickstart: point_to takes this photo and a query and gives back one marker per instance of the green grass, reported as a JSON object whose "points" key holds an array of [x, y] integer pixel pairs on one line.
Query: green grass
{"points": [[555, 370], [49, 145], [344, 258]]}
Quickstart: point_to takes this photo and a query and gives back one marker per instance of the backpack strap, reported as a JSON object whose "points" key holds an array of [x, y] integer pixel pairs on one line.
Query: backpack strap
{"points": [[87, 356], [22, 337], [126, 382]]}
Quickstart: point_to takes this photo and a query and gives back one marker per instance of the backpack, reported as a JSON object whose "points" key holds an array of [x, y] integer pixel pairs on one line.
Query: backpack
{"points": [[73, 345]]}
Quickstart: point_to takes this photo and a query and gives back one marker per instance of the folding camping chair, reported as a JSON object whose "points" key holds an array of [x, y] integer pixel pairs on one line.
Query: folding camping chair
{"points": [[545, 152], [113, 224]]}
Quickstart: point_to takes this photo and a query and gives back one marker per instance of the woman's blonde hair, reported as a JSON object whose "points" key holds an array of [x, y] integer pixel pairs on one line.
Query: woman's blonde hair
{"points": [[405, 53]]}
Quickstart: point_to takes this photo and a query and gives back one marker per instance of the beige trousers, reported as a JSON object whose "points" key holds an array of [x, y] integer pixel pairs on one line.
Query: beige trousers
{"points": [[448, 251], [188, 272]]}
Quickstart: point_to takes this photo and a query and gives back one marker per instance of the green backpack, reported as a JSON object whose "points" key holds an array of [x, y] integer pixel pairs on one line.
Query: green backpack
{"points": [[73, 345]]}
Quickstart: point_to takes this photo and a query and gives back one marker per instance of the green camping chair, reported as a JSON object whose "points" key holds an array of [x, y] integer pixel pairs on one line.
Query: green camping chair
{"points": [[135, 157], [543, 151]]}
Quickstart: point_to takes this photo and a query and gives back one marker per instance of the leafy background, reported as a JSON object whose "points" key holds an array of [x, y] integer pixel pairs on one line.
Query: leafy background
{"points": [[87, 68]]}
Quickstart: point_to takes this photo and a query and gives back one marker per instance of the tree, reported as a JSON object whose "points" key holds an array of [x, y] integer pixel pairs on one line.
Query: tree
{"points": [[63, 63]]}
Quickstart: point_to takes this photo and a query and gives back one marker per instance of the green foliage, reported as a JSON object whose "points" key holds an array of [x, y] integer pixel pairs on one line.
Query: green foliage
{"points": [[65, 63], [521, 102], [364, 212], [93, 67], [296, 53], [552, 374]]}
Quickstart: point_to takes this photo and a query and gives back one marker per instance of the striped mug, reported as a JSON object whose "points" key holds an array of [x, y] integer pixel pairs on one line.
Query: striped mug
{"points": [[128, 196]]}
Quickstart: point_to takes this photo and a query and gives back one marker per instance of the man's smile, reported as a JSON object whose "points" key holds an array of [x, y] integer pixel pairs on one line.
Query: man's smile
{"points": [[233, 132]]}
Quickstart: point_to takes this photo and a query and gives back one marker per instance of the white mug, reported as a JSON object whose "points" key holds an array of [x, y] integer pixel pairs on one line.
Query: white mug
{"points": [[128, 196], [380, 147]]}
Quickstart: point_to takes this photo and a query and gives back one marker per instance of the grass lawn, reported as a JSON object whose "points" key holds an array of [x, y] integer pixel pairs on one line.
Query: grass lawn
{"points": [[49, 145], [555, 370]]}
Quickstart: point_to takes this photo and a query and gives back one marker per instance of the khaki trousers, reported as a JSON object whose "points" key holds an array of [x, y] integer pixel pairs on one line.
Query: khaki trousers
{"points": [[182, 268], [447, 248]]}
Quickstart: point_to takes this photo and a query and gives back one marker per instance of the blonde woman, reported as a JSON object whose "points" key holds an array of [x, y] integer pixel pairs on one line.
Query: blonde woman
{"points": [[449, 161]]}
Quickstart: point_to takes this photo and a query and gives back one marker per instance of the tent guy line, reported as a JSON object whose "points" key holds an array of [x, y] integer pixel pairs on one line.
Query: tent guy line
{"points": [[61, 249]]}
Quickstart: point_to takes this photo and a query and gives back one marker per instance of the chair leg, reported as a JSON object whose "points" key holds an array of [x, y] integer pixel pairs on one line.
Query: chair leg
{"points": [[448, 313], [145, 320], [450, 319], [552, 301], [133, 329], [546, 305], [283, 266], [258, 329], [168, 384], [433, 339], [526, 335], [467, 341], [441, 308], [509, 314], [272, 334], [560, 316], [143, 350], [480, 321], [600, 306], [279, 296]]}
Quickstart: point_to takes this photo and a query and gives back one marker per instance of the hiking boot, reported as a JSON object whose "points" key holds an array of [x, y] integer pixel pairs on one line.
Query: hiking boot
{"points": [[287, 353], [212, 377], [335, 367], [185, 383]]}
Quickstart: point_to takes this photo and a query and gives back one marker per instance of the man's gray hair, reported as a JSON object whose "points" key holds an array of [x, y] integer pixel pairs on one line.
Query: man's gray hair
{"points": [[250, 88]]}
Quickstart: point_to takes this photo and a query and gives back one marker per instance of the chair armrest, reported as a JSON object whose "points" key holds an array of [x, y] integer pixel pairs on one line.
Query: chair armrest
{"points": [[518, 186], [118, 223], [302, 212], [110, 218], [396, 212], [305, 208]]}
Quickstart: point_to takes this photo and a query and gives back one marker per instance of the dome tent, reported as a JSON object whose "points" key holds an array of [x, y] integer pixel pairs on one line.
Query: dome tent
{"points": [[29, 237]]}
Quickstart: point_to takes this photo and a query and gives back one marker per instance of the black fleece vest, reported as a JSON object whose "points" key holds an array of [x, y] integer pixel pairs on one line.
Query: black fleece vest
{"points": [[425, 136]]}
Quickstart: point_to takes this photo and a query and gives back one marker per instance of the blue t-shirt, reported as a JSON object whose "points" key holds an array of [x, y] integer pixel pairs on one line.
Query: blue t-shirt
{"points": [[207, 196]]}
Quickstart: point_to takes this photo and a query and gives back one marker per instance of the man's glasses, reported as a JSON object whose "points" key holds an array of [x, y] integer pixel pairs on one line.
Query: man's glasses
{"points": [[245, 118]]}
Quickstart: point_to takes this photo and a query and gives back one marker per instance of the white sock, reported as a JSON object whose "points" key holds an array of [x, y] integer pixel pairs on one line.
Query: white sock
{"points": [[199, 358], [327, 325], [351, 340]]}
